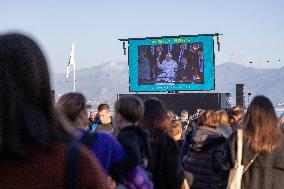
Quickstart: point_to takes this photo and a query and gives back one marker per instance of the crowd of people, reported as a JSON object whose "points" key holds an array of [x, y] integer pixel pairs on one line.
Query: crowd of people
{"points": [[143, 145], [179, 63]]}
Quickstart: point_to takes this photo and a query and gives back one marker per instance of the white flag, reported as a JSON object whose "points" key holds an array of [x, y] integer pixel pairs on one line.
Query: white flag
{"points": [[71, 61]]}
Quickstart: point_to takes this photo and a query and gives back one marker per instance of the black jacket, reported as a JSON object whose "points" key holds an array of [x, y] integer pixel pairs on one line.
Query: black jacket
{"points": [[206, 159], [266, 172], [135, 143], [165, 165], [184, 72]]}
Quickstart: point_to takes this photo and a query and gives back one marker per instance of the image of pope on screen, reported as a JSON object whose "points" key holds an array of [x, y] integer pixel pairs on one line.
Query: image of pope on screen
{"points": [[171, 63]]}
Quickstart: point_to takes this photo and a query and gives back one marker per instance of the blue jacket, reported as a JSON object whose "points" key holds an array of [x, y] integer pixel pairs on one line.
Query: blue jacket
{"points": [[105, 147]]}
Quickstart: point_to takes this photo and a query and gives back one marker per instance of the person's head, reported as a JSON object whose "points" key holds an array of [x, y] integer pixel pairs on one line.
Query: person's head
{"points": [[200, 52], [73, 107], [168, 57], [158, 58], [224, 117], [158, 48], [183, 46], [173, 115], [156, 119], [184, 114], [193, 48], [281, 121], [152, 107], [176, 130], [184, 60], [104, 113], [261, 126], [236, 115], [128, 111], [92, 116], [27, 114], [209, 118]]}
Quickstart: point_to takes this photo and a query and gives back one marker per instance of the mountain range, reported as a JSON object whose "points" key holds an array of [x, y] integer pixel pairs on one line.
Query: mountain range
{"points": [[102, 83]]}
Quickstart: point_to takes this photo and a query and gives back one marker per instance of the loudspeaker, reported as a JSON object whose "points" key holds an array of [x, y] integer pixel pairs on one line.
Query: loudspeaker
{"points": [[240, 95], [178, 102]]}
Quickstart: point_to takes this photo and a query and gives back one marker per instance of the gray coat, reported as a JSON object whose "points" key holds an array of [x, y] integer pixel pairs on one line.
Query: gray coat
{"points": [[266, 172]]}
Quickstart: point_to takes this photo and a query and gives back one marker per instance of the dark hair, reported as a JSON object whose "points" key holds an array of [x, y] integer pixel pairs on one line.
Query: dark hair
{"points": [[152, 107], [71, 105], [102, 107], [156, 119], [130, 108], [261, 127], [236, 112], [27, 115]]}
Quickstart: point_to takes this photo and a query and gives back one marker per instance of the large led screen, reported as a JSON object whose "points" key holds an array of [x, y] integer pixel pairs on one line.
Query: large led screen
{"points": [[172, 64]]}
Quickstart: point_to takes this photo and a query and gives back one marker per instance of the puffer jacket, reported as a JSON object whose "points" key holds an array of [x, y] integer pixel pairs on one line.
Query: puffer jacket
{"points": [[206, 159]]}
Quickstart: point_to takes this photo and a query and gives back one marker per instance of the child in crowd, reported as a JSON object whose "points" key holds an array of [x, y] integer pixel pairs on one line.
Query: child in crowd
{"points": [[135, 142], [176, 132]]}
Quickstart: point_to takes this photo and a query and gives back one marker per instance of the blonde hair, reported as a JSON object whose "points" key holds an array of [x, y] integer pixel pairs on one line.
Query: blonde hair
{"points": [[224, 117], [281, 119], [176, 126], [184, 112], [209, 118]]}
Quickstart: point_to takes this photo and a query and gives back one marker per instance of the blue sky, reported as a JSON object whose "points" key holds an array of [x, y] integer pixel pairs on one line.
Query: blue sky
{"points": [[253, 30]]}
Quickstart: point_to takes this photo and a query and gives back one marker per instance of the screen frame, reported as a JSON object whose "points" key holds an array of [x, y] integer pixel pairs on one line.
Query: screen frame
{"points": [[209, 63]]}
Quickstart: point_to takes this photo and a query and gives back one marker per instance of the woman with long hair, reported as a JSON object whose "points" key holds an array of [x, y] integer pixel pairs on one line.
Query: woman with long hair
{"points": [[263, 145], [106, 148], [165, 163], [33, 144]]}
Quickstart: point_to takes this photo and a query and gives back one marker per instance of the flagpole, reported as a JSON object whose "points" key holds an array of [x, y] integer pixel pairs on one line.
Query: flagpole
{"points": [[74, 77], [72, 61], [74, 68]]}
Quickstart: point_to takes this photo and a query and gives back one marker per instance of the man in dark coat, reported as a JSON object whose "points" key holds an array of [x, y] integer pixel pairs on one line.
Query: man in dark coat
{"points": [[179, 52], [156, 55], [193, 60], [184, 71]]}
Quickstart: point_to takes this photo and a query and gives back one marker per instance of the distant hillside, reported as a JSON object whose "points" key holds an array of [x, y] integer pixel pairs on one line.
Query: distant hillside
{"points": [[266, 82], [102, 83], [99, 83]]}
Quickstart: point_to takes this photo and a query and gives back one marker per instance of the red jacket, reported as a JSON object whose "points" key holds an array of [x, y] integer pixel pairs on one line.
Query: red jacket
{"points": [[47, 170]]}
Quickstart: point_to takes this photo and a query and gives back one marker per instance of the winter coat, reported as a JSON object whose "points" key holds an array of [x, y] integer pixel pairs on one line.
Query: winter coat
{"points": [[104, 146], [206, 159], [266, 172], [47, 170], [135, 142], [165, 164]]}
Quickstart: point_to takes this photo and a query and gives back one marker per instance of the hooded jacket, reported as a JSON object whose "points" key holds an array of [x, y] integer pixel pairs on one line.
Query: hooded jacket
{"points": [[206, 158]]}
